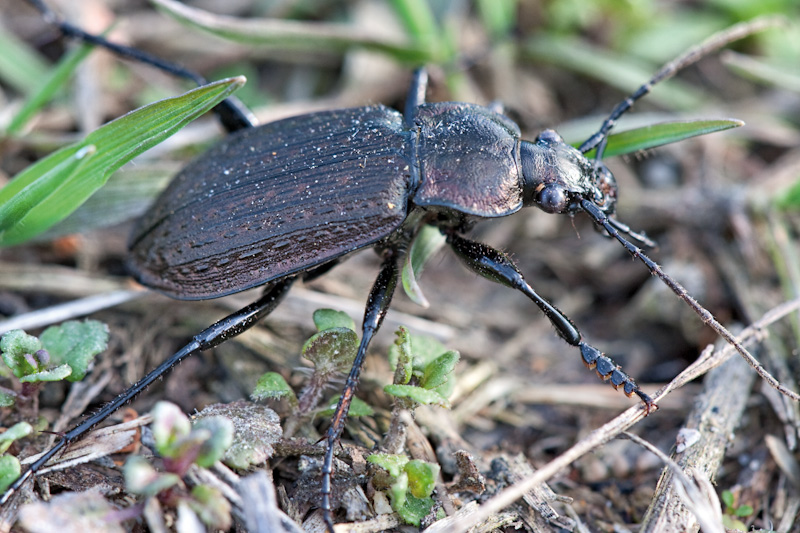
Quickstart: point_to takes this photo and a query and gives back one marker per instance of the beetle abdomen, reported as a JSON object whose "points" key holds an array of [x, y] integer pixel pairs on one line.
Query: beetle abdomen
{"points": [[274, 200], [469, 160]]}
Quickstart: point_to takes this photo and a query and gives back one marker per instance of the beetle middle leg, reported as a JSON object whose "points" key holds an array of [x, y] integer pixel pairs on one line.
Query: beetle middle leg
{"points": [[377, 304], [497, 266]]}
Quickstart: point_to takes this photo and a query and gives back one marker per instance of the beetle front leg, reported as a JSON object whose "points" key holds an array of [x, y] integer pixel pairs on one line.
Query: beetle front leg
{"points": [[378, 303], [497, 266]]}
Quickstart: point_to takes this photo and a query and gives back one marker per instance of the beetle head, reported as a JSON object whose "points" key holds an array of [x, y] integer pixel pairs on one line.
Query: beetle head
{"points": [[557, 177]]}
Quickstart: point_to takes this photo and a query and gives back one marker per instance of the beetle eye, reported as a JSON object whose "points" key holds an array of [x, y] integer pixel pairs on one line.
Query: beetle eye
{"points": [[552, 199]]}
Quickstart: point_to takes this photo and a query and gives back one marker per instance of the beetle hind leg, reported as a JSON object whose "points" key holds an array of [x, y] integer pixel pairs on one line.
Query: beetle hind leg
{"points": [[497, 266], [377, 304], [222, 330]]}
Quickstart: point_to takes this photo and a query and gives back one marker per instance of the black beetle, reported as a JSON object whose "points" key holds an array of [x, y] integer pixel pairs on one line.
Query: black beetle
{"points": [[275, 201], [289, 199]]}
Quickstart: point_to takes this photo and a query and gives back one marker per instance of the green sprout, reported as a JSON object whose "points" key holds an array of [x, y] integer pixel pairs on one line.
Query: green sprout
{"points": [[732, 513], [181, 445], [410, 484], [62, 352], [331, 351]]}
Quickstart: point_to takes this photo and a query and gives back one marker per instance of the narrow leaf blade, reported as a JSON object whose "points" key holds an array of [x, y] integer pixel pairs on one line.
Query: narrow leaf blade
{"points": [[49, 190], [654, 135]]}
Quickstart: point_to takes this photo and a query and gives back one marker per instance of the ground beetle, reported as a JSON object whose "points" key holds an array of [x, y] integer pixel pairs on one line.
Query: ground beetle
{"points": [[287, 200]]}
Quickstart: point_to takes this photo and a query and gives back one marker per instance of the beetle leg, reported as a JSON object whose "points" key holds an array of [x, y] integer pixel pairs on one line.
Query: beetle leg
{"points": [[233, 114], [377, 304], [497, 266], [416, 96], [228, 327]]}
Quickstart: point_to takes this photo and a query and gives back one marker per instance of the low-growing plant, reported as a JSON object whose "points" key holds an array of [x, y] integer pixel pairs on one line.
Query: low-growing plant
{"points": [[62, 352], [732, 513], [182, 444], [410, 484]]}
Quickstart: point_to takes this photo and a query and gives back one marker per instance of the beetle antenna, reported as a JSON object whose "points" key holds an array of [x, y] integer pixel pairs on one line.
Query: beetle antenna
{"points": [[691, 56], [635, 235], [232, 111], [705, 315]]}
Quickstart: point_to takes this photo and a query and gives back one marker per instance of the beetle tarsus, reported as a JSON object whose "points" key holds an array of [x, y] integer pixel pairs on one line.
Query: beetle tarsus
{"points": [[497, 266]]}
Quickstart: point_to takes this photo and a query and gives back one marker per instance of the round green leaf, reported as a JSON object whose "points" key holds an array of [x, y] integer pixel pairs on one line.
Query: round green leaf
{"points": [[330, 319], [418, 394], [272, 385], [75, 344]]}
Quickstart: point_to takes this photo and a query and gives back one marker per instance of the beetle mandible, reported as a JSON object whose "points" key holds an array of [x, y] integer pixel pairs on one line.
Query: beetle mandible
{"points": [[287, 200]]}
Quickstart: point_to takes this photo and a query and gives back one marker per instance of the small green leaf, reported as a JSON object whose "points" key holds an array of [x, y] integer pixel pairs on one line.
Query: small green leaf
{"points": [[57, 373], [75, 344], [331, 319], [332, 350], [647, 137], [358, 407], [413, 484], [216, 443], [424, 349], [438, 371], [414, 509], [425, 245], [404, 364], [392, 463], [170, 426], [7, 400], [15, 346], [744, 510], [211, 506], [421, 477], [52, 188], [142, 478], [15, 432], [398, 492], [272, 385], [732, 524], [418, 394], [9, 471], [727, 498]]}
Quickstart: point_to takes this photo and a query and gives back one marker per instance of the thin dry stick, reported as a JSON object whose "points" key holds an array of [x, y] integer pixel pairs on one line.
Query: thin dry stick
{"points": [[715, 415], [707, 512], [619, 424]]}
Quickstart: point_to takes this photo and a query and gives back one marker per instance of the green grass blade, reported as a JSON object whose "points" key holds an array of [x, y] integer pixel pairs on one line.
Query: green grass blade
{"points": [[417, 18], [618, 71], [46, 90], [51, 189], [654, 135], [498, 16], [764, 71], [293, 34], [21, 66]]}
